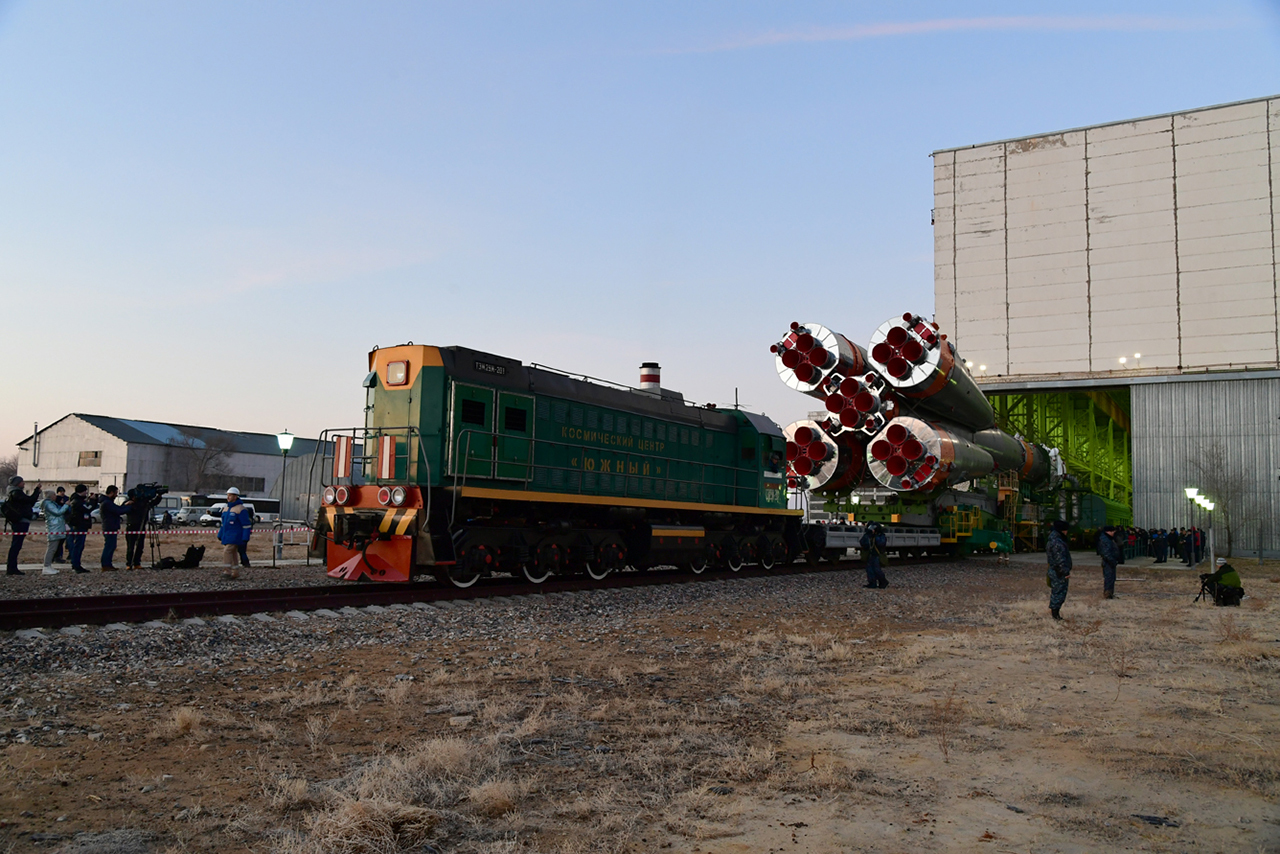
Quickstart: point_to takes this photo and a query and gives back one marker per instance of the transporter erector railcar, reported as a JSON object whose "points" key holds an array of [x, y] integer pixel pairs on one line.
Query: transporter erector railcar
{"points": [[475, 463]]}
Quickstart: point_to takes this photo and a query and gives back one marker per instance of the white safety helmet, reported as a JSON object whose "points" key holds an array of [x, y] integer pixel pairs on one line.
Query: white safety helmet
{"points": [[233, 491]]}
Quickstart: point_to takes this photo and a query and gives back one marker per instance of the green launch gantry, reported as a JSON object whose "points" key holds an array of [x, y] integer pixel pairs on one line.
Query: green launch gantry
{"points": [[1090, 428]]}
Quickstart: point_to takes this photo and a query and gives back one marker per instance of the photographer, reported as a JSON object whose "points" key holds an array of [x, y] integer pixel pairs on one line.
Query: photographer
{"points": [[19, 509], [135, 536], [112, 513]]}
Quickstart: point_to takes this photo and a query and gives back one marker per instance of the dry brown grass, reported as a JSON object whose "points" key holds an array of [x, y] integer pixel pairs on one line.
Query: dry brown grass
{"points": [[364, 827], [185, 720], [1229, 630]]}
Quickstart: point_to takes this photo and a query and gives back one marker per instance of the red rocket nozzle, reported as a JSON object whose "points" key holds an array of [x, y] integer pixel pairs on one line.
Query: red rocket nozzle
{"points": [[773, 348], [864, 401], [907, 484], [804, 342], [850, 386], [803, 466], [912, 449], [896, 465], [818, 357], [882, 352], [931, 460], [817, 451], [909, 317], [913, 351], [804, 372], [850, 418], [791, 359], [793, 451], [805, 435], [881, 450], [896, 434], [895, 336], [795, 325], [836, 403], [898, 367], [792, 483]]}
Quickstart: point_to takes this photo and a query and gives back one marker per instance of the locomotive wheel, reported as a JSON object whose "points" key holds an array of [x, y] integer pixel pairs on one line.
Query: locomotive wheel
{"points": [[472, 563], [765, 549], [534, 573], [611, 555], [812, 556], [732, 557], [698, 565]]}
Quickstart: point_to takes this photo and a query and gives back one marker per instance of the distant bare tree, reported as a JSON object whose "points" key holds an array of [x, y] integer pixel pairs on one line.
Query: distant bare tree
{"points": [[194, 465], [8, 468], [1225, 484]]}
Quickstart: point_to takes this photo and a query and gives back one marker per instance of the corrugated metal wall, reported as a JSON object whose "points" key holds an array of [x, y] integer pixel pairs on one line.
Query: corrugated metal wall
{"points": [[1173, 422]]}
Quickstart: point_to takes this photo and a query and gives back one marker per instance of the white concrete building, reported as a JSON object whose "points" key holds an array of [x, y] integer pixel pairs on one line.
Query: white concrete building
{"points": [[99, 451]]}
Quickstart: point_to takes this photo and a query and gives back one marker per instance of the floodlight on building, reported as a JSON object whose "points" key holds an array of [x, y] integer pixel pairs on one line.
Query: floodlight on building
{"points": [[1123, 360]]}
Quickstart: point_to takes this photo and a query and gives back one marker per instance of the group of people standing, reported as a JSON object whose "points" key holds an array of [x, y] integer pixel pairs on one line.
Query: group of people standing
{"points": [[69, 518]]}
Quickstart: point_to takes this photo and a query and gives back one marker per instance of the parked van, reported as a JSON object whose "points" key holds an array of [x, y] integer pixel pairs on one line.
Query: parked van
{"points": [[213, 515]]}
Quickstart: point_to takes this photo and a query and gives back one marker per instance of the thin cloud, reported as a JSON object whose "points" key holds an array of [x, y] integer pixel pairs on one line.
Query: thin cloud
{"points": [[862, 32]]}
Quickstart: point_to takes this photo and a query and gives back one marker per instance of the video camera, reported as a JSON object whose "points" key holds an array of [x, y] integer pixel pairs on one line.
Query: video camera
{"points": [[147, 494]]}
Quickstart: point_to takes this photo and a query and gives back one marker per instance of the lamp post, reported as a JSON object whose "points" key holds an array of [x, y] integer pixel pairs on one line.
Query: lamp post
{"points": [[285, 440], [1209, 505]]}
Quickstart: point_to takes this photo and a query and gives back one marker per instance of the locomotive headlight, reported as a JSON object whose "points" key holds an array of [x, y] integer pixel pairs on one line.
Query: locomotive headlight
{"points": [[330, 495], [397, 373], [398, 496], [384, 496], [342, 495]]}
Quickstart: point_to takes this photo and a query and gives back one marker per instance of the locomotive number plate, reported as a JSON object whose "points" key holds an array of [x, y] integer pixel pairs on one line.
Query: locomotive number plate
{"points": [[490, 368]]}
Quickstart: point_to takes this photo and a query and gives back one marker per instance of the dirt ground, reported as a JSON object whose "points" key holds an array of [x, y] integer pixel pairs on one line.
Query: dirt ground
{"points": [[798, 714]]}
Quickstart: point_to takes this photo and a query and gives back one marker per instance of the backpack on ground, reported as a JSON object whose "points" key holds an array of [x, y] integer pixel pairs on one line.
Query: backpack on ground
{"points": [[191, 560]]}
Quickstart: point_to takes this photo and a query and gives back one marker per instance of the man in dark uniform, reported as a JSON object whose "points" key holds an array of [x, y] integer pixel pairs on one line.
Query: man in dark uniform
{"points": [[1059, 556], [1111, 554], [873, 543]]}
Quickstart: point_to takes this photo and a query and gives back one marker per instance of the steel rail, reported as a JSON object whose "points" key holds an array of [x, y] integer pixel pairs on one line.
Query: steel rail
{"points": [[57, 612]]}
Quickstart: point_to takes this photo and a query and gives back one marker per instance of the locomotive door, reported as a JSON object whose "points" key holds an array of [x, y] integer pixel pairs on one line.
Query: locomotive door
{"points": [[472, 431], [515, 436]]}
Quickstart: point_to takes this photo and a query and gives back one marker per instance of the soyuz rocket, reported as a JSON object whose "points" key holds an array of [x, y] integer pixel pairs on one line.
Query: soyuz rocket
{"points": [[904, 413]]}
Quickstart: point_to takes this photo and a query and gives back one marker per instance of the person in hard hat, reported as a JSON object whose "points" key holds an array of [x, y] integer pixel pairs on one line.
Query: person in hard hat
{"points": [[1223, 585], [1058, 553], [235, 531]]}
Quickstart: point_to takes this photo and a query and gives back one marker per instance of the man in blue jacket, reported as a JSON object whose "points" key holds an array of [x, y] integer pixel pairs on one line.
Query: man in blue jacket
{"points": [[237, 525]]}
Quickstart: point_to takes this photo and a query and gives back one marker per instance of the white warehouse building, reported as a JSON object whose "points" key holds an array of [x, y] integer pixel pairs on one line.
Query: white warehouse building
{"points": [[100, 451], [1134, 262]]}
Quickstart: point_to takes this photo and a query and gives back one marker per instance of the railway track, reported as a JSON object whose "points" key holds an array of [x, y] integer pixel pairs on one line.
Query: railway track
{"points": [[54, 613]]}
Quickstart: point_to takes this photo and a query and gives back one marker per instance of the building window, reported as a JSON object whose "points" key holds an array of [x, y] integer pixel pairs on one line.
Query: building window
{"points": [[90, 458]]}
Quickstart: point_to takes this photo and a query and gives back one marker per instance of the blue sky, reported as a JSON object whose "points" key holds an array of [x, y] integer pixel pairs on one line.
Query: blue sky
{"points": [[209, 213]]}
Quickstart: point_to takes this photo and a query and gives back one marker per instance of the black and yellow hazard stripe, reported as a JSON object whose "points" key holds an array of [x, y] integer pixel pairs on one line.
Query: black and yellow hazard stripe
{"points": [[395, 520]]}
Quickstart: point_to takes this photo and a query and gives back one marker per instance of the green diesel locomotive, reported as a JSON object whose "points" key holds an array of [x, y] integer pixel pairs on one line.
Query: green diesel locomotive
{"points": [[470, 463]]}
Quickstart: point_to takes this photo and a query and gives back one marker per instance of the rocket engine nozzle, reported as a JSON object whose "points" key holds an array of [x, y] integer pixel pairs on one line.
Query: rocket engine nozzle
{"points": [[809, 355], [824, 462], [911, 455]]}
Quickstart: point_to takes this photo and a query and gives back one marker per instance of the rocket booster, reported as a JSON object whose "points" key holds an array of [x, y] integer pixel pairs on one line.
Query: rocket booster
{"points": [[925, 368], [907, 412]]}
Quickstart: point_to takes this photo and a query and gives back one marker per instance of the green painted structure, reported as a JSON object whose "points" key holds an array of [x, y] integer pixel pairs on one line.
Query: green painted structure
{"points": [[1090, 429]]}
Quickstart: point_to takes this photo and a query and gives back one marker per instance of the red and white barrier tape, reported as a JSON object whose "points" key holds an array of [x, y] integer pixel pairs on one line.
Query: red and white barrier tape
{"points": [[211, 531]]}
